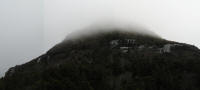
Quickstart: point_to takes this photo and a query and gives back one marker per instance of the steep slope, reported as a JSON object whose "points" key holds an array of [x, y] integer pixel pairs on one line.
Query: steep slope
{"points": [[116, 60]]}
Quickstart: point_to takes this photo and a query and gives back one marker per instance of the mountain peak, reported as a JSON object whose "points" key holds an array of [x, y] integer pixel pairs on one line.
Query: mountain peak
{"points": [[110, 60], [111, 29]]}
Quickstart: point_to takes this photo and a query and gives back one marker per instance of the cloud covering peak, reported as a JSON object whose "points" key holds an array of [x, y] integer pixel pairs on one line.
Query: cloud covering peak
{"points": [[109, 27]]}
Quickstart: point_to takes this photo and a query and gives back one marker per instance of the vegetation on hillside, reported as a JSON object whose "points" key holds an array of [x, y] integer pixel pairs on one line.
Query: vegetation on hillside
{"points": [[90, 63]]}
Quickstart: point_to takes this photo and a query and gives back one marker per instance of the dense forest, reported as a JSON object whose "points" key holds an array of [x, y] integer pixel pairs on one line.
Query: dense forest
{"points": [[93, 63]]}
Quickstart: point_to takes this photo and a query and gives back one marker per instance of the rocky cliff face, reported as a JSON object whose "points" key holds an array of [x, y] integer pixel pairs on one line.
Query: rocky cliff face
{"points": [[110, 61]]}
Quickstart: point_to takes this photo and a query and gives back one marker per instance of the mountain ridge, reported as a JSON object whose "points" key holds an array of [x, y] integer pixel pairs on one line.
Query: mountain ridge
{"points": [[112, 60]]}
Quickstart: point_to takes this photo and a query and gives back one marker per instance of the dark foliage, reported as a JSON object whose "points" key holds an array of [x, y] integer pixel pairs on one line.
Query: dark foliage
{"points": [[91, 64]]}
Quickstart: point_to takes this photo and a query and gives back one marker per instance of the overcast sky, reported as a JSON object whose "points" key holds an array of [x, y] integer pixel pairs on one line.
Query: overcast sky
{"points": [[176, 20], [21, 32], [30, 27]]}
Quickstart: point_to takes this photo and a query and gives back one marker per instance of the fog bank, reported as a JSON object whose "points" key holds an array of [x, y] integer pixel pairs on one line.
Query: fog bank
{"points": [[176, 20]]}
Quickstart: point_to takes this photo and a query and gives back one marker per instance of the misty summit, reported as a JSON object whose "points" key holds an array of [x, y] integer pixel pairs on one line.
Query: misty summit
{"points": [[114, 59]]}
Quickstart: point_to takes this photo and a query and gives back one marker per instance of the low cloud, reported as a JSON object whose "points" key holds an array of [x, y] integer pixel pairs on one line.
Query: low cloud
{"points": [[107, 26]]}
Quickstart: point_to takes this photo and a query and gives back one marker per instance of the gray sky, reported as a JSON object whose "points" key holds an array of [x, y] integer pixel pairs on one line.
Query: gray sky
{"points": [[30, 27], [21, 32], [176, 20]]}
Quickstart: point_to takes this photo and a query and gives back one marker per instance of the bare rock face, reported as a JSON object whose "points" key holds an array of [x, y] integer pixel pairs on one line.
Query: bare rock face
{"points": [[114, 60]]}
